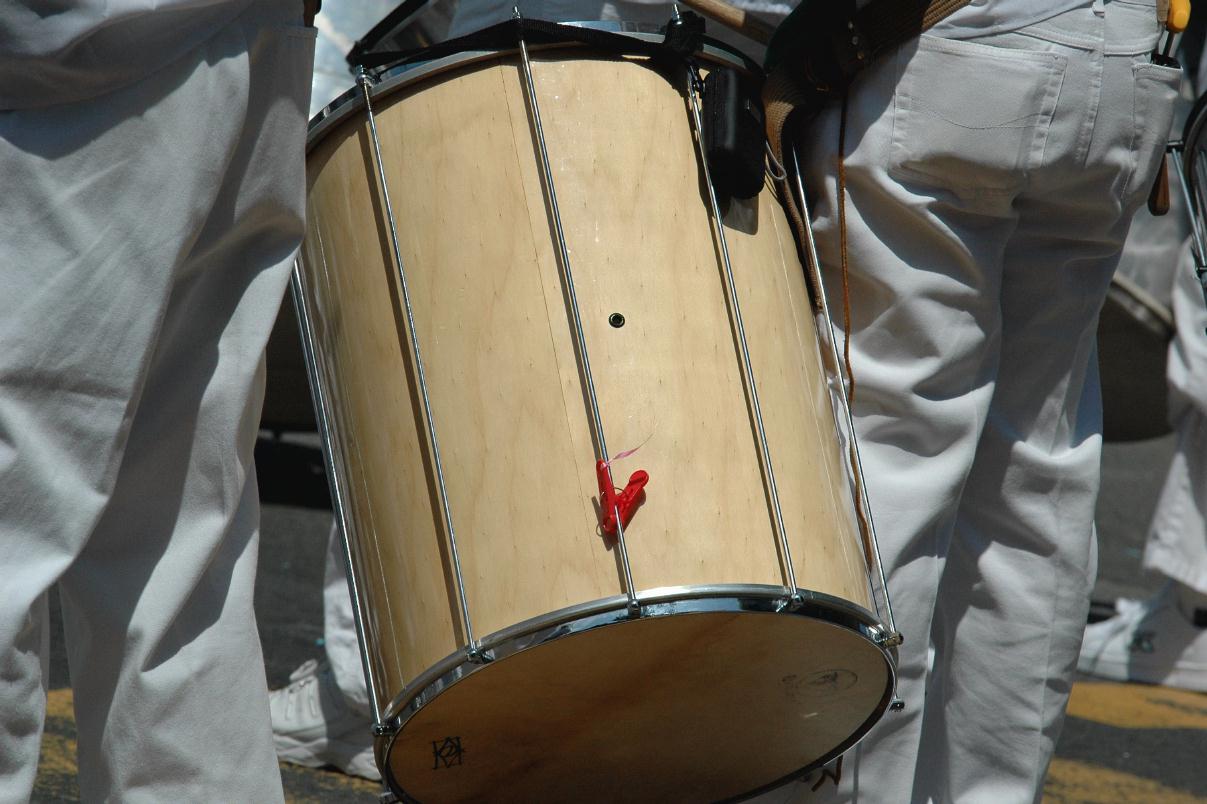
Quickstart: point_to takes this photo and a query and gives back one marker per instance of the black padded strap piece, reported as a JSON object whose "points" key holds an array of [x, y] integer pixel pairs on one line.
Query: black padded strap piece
{"points": [[888, 23], [391, 22], [504, 36], [825, 43]]}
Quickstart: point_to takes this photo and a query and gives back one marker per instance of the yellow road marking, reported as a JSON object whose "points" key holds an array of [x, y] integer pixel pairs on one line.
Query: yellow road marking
{"points": [[58, 756], [1072, 782], [1138, 706], [58, 751], [59, 703]]}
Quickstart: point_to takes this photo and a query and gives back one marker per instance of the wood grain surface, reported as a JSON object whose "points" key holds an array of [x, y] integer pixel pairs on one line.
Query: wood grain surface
{"points": [[506, 388]]}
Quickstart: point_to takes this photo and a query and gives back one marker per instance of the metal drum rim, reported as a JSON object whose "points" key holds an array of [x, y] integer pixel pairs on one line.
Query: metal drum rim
{"points": [[393, 79], [584, 617], [1142, 305], [660, 602]]}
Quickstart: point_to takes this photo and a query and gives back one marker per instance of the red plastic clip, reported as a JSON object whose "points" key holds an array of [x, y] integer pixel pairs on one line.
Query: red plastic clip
{"points": [[625, 502]]}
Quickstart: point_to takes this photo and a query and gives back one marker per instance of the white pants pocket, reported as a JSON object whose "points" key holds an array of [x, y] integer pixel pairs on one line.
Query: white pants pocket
{"points": [[980, 142]]}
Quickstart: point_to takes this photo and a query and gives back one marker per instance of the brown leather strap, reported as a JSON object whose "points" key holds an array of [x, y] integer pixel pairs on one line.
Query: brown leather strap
{"points": [[781, 96]]}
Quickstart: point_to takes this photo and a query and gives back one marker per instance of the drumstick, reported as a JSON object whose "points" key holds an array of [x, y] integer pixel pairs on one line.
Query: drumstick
{"points": [[733, 17]]}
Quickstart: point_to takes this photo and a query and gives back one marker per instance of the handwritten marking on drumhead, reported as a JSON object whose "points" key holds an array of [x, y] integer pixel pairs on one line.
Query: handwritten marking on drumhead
{"points": [[822, 682], [833, 680], [447, 753]]}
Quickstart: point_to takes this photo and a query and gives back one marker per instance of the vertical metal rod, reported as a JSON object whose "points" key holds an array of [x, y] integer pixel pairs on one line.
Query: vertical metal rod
{"points": [[580, 339], [747, 366], [1200, 170], [1195, 208], [815, 266], [473, 649], [334, 481], [1196, 225], [1192, 205]]}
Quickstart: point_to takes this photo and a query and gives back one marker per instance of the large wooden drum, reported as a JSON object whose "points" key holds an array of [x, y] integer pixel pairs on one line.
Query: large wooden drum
{"points": [[470, 498]]}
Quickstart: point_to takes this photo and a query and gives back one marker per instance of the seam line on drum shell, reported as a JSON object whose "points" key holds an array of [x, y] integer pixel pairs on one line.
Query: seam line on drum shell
{"points": [[588, 522]]}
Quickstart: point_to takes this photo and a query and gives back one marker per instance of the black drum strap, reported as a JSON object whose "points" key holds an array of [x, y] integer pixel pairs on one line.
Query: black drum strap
{"points": [[504, 36]]}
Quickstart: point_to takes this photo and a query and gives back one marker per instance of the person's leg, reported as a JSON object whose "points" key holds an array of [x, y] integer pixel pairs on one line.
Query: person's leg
{"points": [[924, 276], [24, 640], [1163, 640], [1015, 591], [86, 267], [936, 189], [165, 656], [1177, 543], [132, 352], [323, 717], [1177, 539]]}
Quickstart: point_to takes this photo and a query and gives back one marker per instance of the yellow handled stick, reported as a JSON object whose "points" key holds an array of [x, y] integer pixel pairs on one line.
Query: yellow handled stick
{"points": [[1174, 16], [1177, 15]]}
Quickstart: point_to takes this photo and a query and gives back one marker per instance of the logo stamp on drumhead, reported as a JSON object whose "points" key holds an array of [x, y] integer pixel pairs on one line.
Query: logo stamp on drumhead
{"points": [[447, 753]]}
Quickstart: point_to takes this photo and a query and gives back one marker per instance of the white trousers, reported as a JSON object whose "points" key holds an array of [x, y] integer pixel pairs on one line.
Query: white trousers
{"points": [[990, 186], [1177, 539], [147, 239]]}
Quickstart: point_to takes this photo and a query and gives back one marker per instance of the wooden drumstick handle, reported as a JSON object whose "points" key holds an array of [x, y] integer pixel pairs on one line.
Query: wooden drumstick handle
{"points": [[733, 17]]}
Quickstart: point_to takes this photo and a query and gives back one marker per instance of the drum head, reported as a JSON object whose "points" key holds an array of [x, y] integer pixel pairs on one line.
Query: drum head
{"points": [[1133, 337], [691, 707]]}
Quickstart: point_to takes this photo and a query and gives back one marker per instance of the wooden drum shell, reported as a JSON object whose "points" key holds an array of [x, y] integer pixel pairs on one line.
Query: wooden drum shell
{"points": [[506, 392]]}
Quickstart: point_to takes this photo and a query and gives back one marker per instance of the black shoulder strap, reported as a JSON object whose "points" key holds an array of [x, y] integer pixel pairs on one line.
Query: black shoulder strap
{"points": [[888, 23], [832, 40], [505, 36]]}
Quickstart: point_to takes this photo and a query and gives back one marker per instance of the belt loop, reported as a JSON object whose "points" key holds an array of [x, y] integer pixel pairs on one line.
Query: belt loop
{"points": [[1100, 7]]}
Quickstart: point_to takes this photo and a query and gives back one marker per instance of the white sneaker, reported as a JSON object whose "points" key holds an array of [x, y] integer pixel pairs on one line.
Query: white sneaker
{"points": [[312, 726], [1152, 641]]}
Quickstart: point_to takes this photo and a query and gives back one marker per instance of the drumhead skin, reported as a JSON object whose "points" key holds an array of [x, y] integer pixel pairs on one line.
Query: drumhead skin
{"points": [[705, 699], [505, 389], [1134, 331]]}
